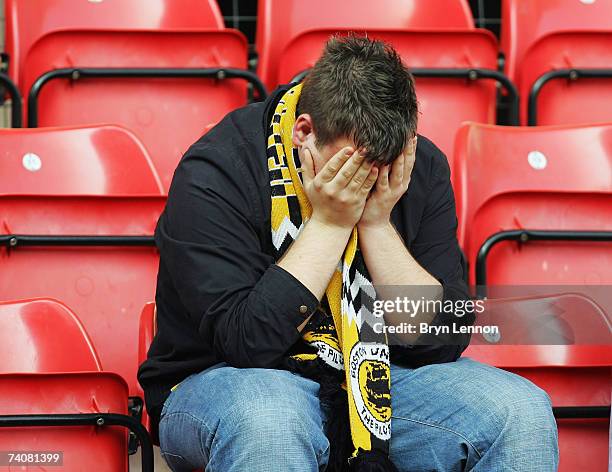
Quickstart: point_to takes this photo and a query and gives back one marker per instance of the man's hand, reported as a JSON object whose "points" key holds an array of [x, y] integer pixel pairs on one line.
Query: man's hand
{"points": [[339, 191], [337, 195], [390, 186]]}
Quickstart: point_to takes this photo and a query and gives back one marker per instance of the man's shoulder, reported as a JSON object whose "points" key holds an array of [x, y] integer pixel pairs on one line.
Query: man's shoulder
{"points": [[431, 162], [242, 129], [234, 148], [238, 129]]}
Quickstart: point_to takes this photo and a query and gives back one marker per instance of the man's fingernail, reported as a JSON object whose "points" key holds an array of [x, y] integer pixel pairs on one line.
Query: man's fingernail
{"points": [[348, 152]]}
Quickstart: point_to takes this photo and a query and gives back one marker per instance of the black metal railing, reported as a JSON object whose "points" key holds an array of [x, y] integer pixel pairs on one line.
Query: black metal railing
{"points": [[527, 235], [15, 240], [582, 412], [16, 104], [89, 419], [79, 73], [570, 74]]}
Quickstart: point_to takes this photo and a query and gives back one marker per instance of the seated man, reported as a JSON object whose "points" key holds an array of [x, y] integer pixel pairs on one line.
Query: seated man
{"points": [[282, 225]]}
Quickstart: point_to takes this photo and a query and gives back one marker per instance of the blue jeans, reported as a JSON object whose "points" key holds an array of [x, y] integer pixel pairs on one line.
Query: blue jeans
{"points": [[460, 415]]}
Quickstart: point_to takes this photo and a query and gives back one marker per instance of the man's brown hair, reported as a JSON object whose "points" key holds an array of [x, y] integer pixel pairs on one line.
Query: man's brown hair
{"points": [[359, 89]]}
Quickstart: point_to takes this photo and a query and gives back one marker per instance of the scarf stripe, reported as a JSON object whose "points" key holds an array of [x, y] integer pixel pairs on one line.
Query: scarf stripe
{"points": [[343, 340]]}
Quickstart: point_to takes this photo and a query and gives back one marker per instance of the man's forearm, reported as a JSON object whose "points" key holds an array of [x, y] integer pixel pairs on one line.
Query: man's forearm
{"points": [[388, 260], [392, 267], [315, 254]]}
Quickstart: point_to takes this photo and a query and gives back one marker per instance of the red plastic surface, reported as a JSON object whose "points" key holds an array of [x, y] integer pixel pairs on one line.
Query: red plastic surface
{"points": [[78, 161], [444, 103], [34, 335], [572, 375], [542, 178], [105, 286], [563, 101], [27, 21], [279, 21], [146, 333], [526, 21], [168, 115]]}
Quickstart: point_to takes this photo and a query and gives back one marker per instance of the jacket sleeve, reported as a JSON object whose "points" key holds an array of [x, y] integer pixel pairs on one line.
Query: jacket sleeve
{"points": [[436, 249], [208, 238]]}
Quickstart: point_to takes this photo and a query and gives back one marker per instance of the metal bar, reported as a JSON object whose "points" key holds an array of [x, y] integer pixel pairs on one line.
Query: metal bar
{"points": [[14, 240], [88, 419], [77, 73], [16, 106], [523, 236], [469, 74], [571, 74], [581, 412]]}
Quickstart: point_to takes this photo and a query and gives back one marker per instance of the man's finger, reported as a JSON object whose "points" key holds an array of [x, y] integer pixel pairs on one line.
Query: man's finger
{"points": [[348, 170], [370, 180], [412, 145], [409, 159], [307, 166], [383, 177], [360, 176], [331, 168], [397, 171]]}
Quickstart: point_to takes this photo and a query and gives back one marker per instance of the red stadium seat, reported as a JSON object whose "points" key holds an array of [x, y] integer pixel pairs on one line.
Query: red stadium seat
{"points": [[541, 199], [526, 21], [168, 113], [27, 21], [576, 376], [55, 399], [443, 63], [95, 253], [79, 229], [86, 160], [566, 78], [280, 21]]}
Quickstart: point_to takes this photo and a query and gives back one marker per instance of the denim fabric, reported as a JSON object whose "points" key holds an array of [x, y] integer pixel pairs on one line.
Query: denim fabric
{"points": [[455, 416]]}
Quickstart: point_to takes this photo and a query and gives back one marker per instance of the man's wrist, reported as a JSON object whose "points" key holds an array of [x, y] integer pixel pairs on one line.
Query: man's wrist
{"points": [[328, 230], [378, 227], [329, 227]]}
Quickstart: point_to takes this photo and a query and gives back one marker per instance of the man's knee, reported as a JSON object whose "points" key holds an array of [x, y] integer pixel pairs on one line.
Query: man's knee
{"points": [[238, 412], [480, 404], [524, 407]]}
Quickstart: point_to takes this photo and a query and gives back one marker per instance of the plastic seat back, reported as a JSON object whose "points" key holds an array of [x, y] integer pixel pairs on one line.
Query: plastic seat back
{"points": [[541, 178], [279, 21], [105, 277], [28, 21], [526, 21], [167, 114], [34, 335], [48, 366], [445, 103], [568, 99], [90, 160]]}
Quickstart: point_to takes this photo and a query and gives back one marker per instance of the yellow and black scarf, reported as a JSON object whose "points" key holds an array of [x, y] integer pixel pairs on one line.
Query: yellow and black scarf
{"points": [[339, 348]]}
